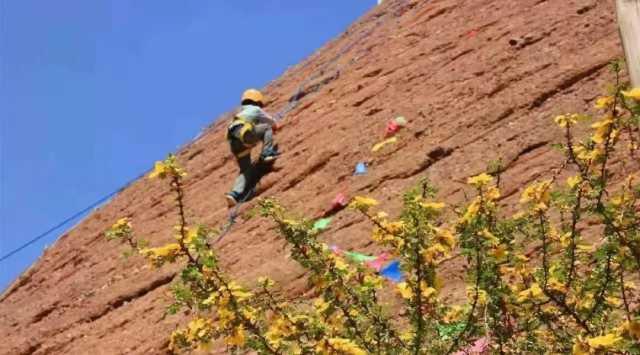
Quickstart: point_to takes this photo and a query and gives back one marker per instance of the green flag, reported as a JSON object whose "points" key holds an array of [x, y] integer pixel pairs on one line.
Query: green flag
{"points": [[322, 224], [359, 258]]}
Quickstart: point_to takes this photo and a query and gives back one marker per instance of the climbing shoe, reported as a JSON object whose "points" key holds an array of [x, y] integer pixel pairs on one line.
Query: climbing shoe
{"points": [[269, 155], [232, 199]]}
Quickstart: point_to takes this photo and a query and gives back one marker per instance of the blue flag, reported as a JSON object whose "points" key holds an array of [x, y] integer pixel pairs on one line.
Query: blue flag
{"points": [[361, 169], [393, 272]]}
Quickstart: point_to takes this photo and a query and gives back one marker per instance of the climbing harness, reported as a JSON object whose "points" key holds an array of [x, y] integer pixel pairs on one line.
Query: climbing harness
{"points": [[243, 126]]}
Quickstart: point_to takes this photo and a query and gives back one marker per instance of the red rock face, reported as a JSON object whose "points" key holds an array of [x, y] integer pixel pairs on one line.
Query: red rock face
{"points": [[477, 80]]}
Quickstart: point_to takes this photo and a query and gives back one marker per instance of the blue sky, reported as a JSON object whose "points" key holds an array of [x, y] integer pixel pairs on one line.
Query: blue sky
{"points": [[93, 92]]}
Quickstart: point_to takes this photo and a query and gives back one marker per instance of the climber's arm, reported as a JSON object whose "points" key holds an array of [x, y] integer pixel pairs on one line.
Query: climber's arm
{"points": [[264, 117]]}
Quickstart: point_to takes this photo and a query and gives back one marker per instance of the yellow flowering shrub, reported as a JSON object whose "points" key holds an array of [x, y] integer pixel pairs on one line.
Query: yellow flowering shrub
{"points": [[168, 168], [555, 276]]}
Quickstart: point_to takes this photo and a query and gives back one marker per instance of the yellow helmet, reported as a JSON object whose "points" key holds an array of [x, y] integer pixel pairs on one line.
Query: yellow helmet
{"points": [[253, 95]]}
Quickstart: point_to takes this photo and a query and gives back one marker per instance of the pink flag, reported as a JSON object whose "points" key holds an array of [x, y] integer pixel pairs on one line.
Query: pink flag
{"points": [[392, 128], [339, 201], [380, 261]]}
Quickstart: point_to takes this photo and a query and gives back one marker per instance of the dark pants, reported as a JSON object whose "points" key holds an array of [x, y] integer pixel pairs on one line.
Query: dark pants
{"points": [[260, 132]]}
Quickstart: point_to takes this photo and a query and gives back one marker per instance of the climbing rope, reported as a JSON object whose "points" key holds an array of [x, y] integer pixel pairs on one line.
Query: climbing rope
{"points": [[233, 214]]}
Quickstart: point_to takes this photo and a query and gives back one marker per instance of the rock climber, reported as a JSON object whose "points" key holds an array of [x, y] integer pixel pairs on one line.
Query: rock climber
{"points": [[250, 126]]}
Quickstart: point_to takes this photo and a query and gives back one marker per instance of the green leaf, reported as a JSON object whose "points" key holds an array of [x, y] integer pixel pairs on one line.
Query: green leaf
{"points": [[173, 309], [448, 331]]}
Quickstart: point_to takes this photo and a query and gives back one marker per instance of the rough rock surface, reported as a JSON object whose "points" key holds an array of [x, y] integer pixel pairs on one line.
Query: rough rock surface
{"points": [[477, 80]]}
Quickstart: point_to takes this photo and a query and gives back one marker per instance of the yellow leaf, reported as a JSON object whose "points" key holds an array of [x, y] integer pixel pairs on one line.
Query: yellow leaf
{"points": [[225, 316], [633, 93], [434, 253], [604, 102], [492, 194], [346, 346], [237, 338], [167, 250], [538, 195], [579, 348], [556, 285], [266, 282], [500, 252], [586, 248], [380, 145], [363, 202], [321, 305], [121, 222], [633, 329], [427, 291], [199, 329], [158, 256], [241, 295], [573, 181], [290, 222], [454, 314], [340, 264], [472, 211], [366, 201], [585, 302], [160, 170], [604, 341], [602, 130], [405, 290], [435, 206], [565, 120], [534, 292], [616, 302], [445, 237], [488, 236], [394, 227], [192, 234], [482, 297], [481, 180]]}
